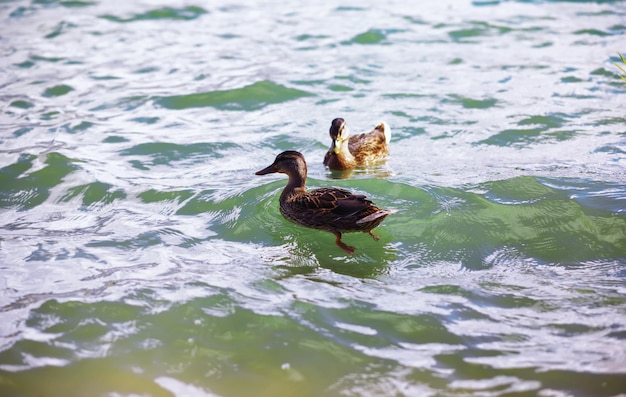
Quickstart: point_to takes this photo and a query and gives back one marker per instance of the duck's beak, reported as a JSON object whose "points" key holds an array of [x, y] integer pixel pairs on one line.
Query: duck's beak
{"points": [[267, 170]]}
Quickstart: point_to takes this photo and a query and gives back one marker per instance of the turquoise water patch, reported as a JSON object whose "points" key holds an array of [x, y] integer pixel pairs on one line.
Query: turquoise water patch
{"points": [[369, 37], [59, 30], [482, 3], [523, 213], [146, 120], [57, 90], [523, 137], [24, 190], [25, 64], [78, 127], [372, 36], [549, 121], [571, 79], [339, 88], [478, 29], [185, 14], [471, 103], [539, 129], [165, 153], [154, 196], [37, 58], [94, 193], [593, 32], [251, 97], [76, 4], [115, 139], [21, 131], [21, 104], [306, 37]]}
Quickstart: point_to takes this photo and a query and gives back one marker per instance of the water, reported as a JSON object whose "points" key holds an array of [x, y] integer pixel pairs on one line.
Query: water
{"points": [[141, 256]]}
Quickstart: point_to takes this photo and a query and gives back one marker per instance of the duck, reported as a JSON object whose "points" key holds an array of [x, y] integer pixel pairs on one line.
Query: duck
{"points": [[348, 152], [331, 209]]}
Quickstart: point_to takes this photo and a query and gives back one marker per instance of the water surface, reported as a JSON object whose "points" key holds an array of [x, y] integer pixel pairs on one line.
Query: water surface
{"points": [[140, 255]]}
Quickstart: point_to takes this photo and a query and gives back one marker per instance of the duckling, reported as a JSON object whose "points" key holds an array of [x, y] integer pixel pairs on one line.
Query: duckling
{"points": [[331, 209], [358, 150]]}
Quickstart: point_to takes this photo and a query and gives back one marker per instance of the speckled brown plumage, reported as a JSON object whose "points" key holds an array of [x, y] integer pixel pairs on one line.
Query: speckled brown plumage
{"points": [[334, 210], [358, 150]]}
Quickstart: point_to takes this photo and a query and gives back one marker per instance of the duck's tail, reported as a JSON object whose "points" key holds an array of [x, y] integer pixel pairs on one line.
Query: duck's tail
{"points": [[375, 215], [384, 127]]}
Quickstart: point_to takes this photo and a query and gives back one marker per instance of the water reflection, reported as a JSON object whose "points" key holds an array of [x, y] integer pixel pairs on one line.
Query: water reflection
{"points": [[372, 171]]}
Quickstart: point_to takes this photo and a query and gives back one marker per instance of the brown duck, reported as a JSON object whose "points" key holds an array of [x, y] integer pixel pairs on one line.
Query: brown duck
{"points": [[331, 209], [358, 150]]}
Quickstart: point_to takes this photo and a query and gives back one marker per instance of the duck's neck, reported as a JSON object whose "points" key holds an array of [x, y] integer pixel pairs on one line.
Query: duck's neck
{"points": [[344, 152], [343, 159], [295, 186]]}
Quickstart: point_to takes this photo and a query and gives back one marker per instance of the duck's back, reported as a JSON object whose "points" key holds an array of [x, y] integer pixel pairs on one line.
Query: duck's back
{"points": [[329, 209], [369, 147]]}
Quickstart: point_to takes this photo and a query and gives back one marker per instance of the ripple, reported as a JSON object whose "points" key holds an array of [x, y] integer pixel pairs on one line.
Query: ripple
{"points": [[251, 97], [185, 14], [22, 104], [369, 37], [58, 90], [524, 137], [470, 103], [28, 190], [96, 193], [165, 153]]}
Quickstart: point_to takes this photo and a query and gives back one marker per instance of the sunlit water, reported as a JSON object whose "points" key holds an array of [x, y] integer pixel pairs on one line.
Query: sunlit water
{"points": [[141, 256]]}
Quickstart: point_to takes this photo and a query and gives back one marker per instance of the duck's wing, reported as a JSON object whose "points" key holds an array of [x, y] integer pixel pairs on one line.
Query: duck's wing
{"points": [[324, 199], [367, 141], [370, 146], [338, 201], [335, 210]]}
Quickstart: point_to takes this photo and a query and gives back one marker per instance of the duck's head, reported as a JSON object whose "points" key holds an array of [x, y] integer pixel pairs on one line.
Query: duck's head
{"points": [[339, 133], [289, 162]]}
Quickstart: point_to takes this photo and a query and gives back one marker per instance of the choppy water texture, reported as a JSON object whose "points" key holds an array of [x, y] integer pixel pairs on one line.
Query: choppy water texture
{"points": [[141, 256]]}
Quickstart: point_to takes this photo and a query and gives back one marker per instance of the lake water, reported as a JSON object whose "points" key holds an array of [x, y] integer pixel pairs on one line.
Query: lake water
{"points": [[141, 256]]}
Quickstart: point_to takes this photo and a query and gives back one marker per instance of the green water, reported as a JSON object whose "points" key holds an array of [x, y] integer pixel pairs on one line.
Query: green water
{"points": [[141, 256]]}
